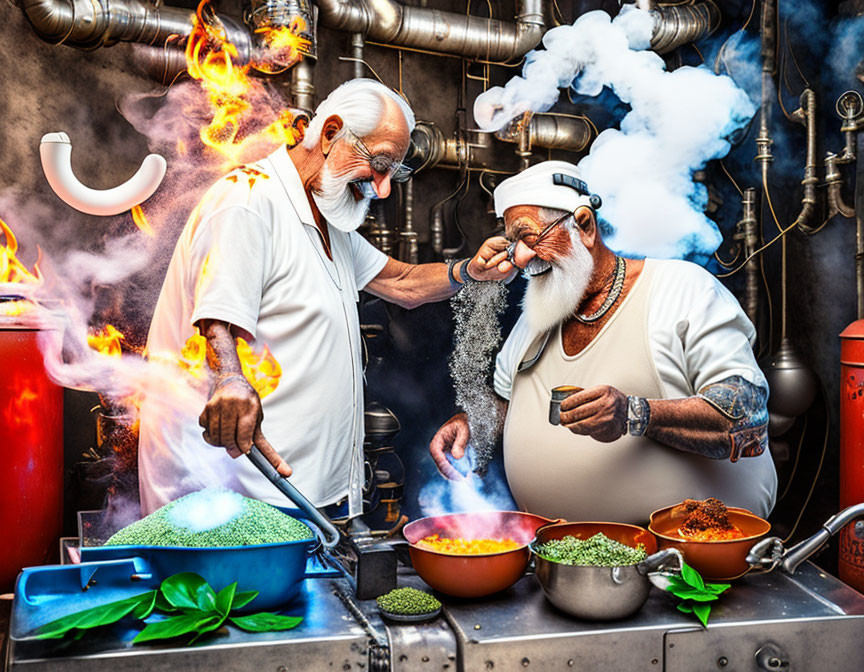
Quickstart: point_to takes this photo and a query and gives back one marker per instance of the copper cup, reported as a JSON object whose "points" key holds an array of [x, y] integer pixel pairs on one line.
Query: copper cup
{"points": [[559, 394]]}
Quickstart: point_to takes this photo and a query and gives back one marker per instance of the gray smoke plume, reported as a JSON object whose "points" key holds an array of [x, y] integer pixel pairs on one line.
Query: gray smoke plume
{"points": [[477, 334]]}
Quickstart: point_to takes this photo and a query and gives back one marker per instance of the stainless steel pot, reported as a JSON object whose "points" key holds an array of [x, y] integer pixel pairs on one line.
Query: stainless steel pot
{"points": [[600, 593]]}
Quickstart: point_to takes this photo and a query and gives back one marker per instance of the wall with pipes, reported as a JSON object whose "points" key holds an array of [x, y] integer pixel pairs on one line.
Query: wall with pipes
{"points": [[50, 88]]}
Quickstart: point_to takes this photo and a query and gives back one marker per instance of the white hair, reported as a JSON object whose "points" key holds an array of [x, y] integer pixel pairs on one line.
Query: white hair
{"points": [[360, 105]]}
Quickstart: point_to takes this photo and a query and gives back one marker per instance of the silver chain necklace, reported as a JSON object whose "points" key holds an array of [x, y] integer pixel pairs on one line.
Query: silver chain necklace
{"points": [[612, 297]]}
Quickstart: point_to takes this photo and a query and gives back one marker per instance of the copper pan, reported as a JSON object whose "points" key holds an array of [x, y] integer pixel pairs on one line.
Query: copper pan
{"points": [[473, 575], [722, 560]]}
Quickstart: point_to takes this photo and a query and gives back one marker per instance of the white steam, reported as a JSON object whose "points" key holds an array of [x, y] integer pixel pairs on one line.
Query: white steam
{"points": [[678, 121], [440, 496], [206, 509]]}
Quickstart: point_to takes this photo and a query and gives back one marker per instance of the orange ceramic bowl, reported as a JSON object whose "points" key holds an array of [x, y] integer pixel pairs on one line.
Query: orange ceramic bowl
{"points": [[722, 560]]}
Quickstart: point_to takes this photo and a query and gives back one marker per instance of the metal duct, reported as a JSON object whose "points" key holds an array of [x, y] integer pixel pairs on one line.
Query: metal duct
{"points": [[550, 131], [89, 25], [681, 24], [266, 15], [806, 114], [391, 22]]}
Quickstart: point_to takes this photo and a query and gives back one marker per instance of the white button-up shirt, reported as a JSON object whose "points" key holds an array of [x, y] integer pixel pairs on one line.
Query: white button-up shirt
{"points": [[252, 256]]}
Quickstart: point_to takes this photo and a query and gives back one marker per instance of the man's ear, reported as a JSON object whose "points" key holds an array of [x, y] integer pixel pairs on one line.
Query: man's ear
{"points": [[587, 225], [332, 125]]}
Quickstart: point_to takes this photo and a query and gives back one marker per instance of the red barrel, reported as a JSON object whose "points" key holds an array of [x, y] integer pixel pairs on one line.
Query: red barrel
{"points": [[852, 448], [31, 456]]}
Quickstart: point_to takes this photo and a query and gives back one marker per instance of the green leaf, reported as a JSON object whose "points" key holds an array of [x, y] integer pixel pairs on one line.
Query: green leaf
{"points": [[691, 576], [94, 617], [205, 597], [697, 595], [243, 598], [181, 590], [164, 605], [702, 611], [146, 606], [718, 588], [265, 622], [175, 626], [225, 599], [685, 607]]}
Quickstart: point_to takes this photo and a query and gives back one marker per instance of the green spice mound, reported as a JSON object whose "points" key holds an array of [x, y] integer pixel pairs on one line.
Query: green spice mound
{"points": [[212, 517], [408, 601], [598, 551]]}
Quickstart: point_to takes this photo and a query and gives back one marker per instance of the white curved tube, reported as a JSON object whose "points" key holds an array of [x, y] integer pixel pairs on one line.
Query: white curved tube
{"points": [[56, 152]]}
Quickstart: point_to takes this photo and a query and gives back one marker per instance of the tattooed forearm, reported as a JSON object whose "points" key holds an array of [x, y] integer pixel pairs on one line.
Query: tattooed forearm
{"points": [[726, 420], [746, 405]]}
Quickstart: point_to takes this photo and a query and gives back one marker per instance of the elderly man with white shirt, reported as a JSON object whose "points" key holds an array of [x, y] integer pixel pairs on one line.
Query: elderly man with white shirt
{"points": [[271, 255], [672, 394]]}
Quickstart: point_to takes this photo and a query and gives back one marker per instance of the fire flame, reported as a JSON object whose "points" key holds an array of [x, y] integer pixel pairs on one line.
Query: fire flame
{"points": [[260, 369], [213, 61], [284, 46], [141, 220], [11, 269], [106, 340]]}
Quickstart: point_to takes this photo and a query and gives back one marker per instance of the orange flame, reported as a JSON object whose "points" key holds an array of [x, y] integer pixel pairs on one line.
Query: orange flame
{"points": [[213, 60], [141, 220], [106, 340], [260, 369], [284, 46], [11, 269]]}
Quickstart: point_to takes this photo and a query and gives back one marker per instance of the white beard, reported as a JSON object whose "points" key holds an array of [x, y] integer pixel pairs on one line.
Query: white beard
{"points": [[335, 200], [553, 297]]}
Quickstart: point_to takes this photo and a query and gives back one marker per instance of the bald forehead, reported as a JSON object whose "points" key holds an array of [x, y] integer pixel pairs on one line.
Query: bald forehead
{"points": [[392, 131]]}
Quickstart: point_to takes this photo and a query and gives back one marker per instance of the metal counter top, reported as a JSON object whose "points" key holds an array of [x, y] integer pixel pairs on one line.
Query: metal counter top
{"points": [[810, 620]]}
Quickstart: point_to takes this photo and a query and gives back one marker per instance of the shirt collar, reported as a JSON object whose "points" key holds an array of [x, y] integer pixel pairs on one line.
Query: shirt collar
{"points": [[287, 173]]}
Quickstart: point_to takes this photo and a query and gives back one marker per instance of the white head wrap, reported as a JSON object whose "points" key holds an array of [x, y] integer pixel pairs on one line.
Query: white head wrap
{"points": [[536, 186]]}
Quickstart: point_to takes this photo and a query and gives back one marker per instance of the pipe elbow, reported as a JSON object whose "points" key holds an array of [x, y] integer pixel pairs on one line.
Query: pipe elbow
{"points": [[677, 25], [56, 154], [52, 20]]}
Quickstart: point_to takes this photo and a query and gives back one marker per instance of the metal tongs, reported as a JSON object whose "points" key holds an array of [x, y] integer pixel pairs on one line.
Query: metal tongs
{"points": [[331, 534], [770, 552]]}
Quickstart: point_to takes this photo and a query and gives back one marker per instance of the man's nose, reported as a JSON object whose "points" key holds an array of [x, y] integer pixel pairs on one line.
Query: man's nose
{"points": [[382, 185], [522, 254]]}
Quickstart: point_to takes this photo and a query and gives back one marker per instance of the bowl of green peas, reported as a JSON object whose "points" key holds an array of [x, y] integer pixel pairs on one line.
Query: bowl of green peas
{"points": [[598, 571]]}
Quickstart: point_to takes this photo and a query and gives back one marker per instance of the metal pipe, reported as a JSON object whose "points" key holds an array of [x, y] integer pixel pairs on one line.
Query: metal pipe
{"points": [[303, 86], [677, 25], [436, 228], [750, 234], [550, 131], [834, 182], [265, 16], [769, 66], [807, 115], [89, 25], [409, 250], [357, 46], [391, 22]]}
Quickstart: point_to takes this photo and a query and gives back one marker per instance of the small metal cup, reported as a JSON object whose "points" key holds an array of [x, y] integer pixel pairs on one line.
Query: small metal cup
{"points": [[559, 394]]}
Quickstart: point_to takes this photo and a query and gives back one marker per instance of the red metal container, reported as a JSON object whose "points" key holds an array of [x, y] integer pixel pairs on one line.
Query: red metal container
{"points": [[31, 455], [851, 567]]}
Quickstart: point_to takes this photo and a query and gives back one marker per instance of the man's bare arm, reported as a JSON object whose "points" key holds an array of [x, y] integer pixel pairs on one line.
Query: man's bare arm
{"points": [[726, 420], [410, 285], [233, 414]]}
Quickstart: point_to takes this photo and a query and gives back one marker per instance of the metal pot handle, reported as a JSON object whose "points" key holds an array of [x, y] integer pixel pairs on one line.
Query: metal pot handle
{"points": [[769, 553], [331, 534], [659, 561]]}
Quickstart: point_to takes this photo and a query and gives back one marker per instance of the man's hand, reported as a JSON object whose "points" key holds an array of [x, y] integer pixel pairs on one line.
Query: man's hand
{"points": [[232, 418], [451, 438], [490, 262], [599, 412]]}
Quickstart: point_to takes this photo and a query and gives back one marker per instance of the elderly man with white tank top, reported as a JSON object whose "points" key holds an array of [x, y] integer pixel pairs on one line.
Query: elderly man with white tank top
{"points": [[672, 403]]}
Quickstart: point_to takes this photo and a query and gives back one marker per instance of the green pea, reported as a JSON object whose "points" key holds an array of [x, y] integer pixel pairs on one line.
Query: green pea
{"points": [[598, 551]]}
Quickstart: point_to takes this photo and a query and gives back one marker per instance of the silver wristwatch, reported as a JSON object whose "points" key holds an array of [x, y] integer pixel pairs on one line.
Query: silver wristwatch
{"points": [[638, 416]]}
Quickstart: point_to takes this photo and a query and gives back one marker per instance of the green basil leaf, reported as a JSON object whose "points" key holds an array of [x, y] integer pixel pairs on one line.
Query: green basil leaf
{"points": [[146, 606], [93, 617], [697, 596], [691, 576], [225, 599], [164, 605], [265, 622], [174, 626], [181, 589], [685, 607], [718, 588], [205, 597], [243, 598], [702, 611]]}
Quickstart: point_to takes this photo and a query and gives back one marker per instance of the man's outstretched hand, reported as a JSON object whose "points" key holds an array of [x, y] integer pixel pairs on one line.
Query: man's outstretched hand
{"points": [[490, 262], [451, 438]]}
